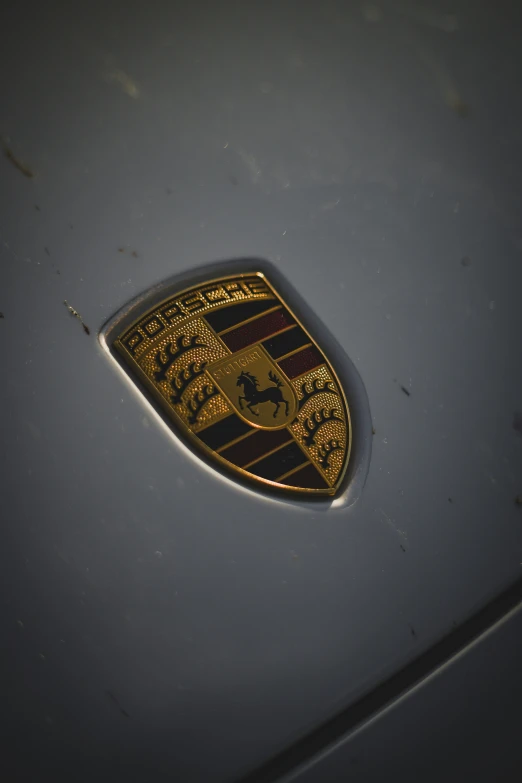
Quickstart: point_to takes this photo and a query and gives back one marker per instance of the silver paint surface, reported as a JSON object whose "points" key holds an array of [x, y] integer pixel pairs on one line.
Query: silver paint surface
{"points": [[374, 159]]}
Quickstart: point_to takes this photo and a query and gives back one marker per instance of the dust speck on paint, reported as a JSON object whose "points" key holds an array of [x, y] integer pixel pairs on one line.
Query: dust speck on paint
{"points": [[22, 167], [77, 315], [454, 101], [447, 23], [122, 80], [371, 13]]}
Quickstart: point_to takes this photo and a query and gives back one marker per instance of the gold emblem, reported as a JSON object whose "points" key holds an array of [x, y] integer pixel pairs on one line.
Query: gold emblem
{"points": [[241, 378]]}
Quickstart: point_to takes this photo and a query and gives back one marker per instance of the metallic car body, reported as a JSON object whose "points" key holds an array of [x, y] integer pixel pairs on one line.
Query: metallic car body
{"points": [[161, 621]]}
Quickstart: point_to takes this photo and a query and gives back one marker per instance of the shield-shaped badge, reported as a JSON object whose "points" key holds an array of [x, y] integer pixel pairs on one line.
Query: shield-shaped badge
{"points": [[243, 380]]}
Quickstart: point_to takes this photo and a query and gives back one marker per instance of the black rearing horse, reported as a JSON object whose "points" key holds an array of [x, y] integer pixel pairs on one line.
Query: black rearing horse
{"points": [[254, 396]]}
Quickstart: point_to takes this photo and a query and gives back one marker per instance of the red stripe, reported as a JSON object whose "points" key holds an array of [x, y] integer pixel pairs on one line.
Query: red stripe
{"points": [[301, 362], [257, 330]]}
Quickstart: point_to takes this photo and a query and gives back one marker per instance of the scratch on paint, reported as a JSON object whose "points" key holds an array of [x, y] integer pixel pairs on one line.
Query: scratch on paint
{"points": [[402, 535], [110, 695], [252, 165]]}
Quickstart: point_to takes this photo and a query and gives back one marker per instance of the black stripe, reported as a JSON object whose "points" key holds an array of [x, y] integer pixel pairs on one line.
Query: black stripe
{"points": [[237, 313], [279, 462], [284, 343], [307, 477], [223, 431]]}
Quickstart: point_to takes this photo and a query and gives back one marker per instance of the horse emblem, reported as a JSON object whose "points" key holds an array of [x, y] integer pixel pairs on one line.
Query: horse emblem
{"points": [[267, 399], [254, 396]]}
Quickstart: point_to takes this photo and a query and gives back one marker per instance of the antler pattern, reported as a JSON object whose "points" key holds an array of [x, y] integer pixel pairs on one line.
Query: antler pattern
{"points": [[199, 400], [325, 450], [316, 421], [166, 357], [327, 386], [183, 380]]}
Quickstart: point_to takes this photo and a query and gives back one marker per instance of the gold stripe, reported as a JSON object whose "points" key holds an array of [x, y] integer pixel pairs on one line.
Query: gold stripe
{"points": [[273, 334], [294, 470], [291, 353], [268, 453], [252, 318], [236, 440]]}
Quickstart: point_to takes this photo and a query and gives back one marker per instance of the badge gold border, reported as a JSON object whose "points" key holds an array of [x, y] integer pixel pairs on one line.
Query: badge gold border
{"points": [[193, 439]]}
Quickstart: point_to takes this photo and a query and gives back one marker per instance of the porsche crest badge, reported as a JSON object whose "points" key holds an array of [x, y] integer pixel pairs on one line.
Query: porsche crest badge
{"points": [[241, 378]]}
